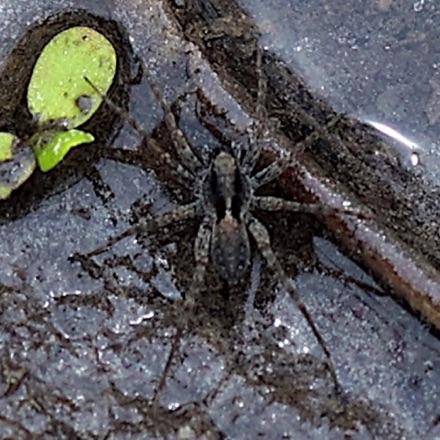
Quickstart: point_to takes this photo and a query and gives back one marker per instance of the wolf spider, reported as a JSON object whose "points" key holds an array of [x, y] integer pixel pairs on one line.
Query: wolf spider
{"points": [[225, 198]]}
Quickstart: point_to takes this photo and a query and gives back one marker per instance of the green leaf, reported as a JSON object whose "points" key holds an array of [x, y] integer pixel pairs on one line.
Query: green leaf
{"points": [[51, 146], [61, 99], [6, 143], [57, 90], [16, 166]]}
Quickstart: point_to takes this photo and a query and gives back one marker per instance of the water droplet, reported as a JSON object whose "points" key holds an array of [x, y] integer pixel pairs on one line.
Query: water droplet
{"points": [[415, 159], [418, 6]]}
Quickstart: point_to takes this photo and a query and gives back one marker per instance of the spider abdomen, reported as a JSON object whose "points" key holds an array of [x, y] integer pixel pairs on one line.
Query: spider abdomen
{"points": [[230, 249]]}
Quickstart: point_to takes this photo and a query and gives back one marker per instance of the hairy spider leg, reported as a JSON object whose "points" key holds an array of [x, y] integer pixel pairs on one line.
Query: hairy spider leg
{"points": [[183, 148], [270, 203], [205, 107], [175, 346], [181, 213], [259, 127], [175, 166], [276, 168], [201, 256], [261, 237]]}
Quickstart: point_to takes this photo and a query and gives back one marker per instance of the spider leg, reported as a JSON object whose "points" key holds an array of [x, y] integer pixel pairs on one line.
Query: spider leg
{"points": [[268, 203], [183, 148], [271, 172], [174, 166], [201, 255], [175, 346], [180, 213], [261, 237], [206, 109], [259, 127], [165, 156], [201, 252], [319, 132], [277, 168], [119, 111]]}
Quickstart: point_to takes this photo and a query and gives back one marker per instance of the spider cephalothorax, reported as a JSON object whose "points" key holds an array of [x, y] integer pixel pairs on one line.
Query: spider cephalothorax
{"points": [[226, 192]]}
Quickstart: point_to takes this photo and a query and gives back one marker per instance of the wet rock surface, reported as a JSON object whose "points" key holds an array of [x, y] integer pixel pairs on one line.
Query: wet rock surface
{"points": [[103, 347]]}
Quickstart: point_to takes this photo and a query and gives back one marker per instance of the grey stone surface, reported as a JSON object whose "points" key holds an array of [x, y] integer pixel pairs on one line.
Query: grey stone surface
{"points": [[84, 348]]}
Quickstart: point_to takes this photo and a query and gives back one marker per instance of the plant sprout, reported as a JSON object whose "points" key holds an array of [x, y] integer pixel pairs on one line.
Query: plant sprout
{"points": [[59, 99]]}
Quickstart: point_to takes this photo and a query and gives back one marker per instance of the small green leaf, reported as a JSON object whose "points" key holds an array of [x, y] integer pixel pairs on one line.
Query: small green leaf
{"points": [[16, 166], [57, 89], [51, 146], [61, 99], [6, 143]]}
